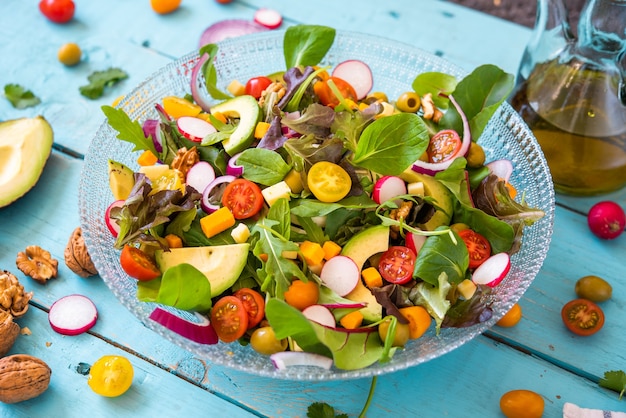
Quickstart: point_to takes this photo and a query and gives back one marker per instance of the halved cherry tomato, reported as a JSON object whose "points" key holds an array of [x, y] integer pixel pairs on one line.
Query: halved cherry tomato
{"points": [[254, 304], [111, 376], [443, 146], [58, 11], [396, 264], [256, 85], [243, 198], [326, 95], [137, 264], [478, 247], [328, 181], [582, 317], [229, 318]]}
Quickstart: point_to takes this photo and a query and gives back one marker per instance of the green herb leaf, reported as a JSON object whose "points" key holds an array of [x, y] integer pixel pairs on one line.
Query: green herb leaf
{"points": [[307, 44], [210, 74], [19, 97], [614, 380], [435, 83], [128, 130], [323, 410], [98, 80], [388, 146], [263, 166], [440, 255]]}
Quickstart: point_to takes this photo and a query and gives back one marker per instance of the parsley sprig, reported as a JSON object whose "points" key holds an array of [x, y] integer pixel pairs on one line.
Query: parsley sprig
{"points": [[98, 80], [614, 380], [20, 97]]}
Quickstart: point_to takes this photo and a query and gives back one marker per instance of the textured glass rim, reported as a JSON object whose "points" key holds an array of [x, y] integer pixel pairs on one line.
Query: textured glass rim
{"points": [[101, 251]]}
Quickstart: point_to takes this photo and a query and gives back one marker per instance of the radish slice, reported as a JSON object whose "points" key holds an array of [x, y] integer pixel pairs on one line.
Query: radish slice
{"points": [[200, 175], [493, 270], [201, 332], [194, 129], [112, 224], [415, 242], [207, 194], [432, 168], [340, 274], [387, 188], [72, 315], [269, 18], [232, 168], [320, 314], [358, 74], [501, 168], [228, 29], [285, 359]]}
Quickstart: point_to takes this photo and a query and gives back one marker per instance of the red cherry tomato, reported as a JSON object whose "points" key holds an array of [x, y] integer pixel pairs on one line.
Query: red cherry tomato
{"points": [[229, 318], [478, 247], [396, 264], [254, 304], [137, 264], [326, 95], [58, 11], [582, 317], [443, 146], [256, 85], [243, 198]]}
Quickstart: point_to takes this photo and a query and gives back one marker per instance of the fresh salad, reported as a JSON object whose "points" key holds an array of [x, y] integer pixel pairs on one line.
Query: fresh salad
{"points": [[314, 219]]}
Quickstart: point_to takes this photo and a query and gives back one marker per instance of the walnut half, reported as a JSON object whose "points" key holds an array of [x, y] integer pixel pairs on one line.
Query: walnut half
{"points": [[76, 256], [13, 299], [37, 263]]}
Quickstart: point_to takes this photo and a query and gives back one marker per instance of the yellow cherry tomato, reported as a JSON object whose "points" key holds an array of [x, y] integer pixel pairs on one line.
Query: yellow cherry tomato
{"points": [[69, 54], [328, 181], [164, 6], [512, 317], [522, 403], [111, 376]]}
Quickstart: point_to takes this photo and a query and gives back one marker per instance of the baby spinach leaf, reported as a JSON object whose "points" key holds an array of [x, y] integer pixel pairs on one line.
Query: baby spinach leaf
{"points": [[440, 255], [435, 83], [307, 44], [263, 166], [388, 146]]}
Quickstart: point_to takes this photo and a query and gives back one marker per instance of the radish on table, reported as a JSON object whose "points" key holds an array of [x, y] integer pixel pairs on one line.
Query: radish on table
{"points": [[72, 315]]}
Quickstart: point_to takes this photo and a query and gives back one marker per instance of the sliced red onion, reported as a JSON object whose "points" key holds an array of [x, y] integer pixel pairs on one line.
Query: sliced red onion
{"points": [[201, 332], [501, 168], [357, 305], [432, 168], [205, 203], [151, 129], [161, 110], [228, 29], [232, 168], [198, 97], [285, 359]]}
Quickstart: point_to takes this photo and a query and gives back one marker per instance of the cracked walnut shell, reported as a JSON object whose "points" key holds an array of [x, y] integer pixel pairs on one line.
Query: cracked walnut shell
{"points": [[22, 377], [37, 263], [77, 257], [13, 299], [9, 331]]}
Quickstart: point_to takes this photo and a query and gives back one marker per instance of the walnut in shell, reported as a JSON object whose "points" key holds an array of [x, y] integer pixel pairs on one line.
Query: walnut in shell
{"points": [[9, 331], [77, 257], [37, 263], [22, 377], [13, 299]]}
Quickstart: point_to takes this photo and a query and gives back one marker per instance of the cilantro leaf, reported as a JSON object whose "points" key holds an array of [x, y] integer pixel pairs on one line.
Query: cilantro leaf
{"points": [[323, 410], [128, 130], [614, 380], [19, 97], [98, 80]]}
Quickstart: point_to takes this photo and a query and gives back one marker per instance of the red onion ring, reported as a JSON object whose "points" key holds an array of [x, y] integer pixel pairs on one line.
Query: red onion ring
{"points": [[232, 168], [205, 203]]}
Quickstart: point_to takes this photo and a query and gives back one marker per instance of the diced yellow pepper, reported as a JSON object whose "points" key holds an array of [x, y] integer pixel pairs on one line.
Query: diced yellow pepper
{"points": [[236, 88], [372, 277], [312, 252], [177, 107], [261, 129], [331, 249], [219, 116]]}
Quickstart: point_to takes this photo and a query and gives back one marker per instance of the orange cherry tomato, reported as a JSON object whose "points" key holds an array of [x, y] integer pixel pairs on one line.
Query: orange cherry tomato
{"points": [[301, 294], [326, 95], [512, 317], [582, 317], [521, 403], [137, 264], [243, 198], [229, 318], [396, 264], [254, 304], [478, 247], [443, 146], [164, 6]]}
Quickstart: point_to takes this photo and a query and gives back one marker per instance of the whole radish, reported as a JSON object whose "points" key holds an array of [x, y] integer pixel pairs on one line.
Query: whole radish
{"points": [[606, 219]]}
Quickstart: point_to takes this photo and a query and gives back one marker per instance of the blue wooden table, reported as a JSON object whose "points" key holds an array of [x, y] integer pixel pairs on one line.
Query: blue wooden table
{"points": [[538, 354]]}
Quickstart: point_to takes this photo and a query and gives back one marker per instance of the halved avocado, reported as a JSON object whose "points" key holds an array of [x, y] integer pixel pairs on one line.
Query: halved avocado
{"points": [[440, 193], [25, 145], [247, 110]]}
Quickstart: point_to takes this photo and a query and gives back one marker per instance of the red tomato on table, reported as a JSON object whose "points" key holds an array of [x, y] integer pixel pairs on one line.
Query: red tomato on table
{"points": [[58, 11]]}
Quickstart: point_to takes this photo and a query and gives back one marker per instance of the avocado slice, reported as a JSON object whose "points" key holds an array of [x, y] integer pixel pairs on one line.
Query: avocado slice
{"points": [[121, 180], [440, 193], [359, 248], [221, 264], [25, 145], [247, 110]]}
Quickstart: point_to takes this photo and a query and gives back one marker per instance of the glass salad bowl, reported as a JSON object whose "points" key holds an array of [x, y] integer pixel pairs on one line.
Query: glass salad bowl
{"points": [[394, 66]]}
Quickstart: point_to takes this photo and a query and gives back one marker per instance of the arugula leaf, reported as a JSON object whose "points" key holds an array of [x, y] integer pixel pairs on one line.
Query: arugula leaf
{"points": [[263, 166], [128, 130], [614, 380], [307, 44], [19, 97], [210, 74], [98, 80], [388, 146], [322, 410]]}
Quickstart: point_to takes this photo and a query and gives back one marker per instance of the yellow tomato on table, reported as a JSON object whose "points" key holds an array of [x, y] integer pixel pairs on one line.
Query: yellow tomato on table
{"points": [[111, 376]]}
